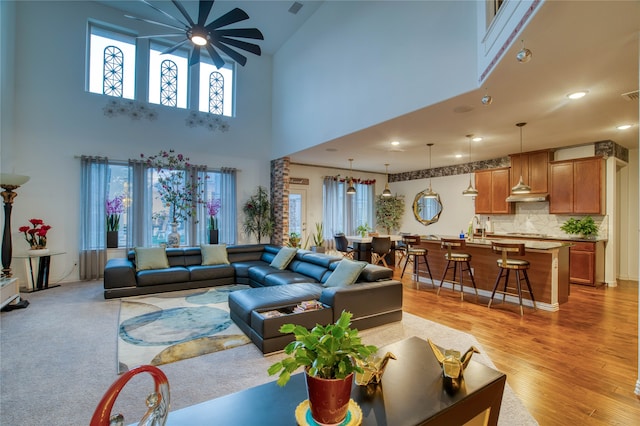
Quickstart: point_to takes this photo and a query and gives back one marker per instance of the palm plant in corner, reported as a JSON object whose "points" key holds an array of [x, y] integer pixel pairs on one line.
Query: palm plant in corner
{"points": [[329, 355]]}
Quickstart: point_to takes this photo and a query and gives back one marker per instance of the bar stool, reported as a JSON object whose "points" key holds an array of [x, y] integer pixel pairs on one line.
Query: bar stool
{"points": [[413, 255], [457, 261], [506, 265]]}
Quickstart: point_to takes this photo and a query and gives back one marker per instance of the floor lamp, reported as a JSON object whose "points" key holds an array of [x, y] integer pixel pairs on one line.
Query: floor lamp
{"points": [[9, 183]]}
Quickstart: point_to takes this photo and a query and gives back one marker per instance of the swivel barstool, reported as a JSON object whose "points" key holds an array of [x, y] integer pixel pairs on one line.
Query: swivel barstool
{"points": [[506, 265], [413, 255], [457, 261]]}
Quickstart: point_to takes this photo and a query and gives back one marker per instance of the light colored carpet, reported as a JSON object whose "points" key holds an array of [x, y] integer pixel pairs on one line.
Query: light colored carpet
{"points": [[168, 327], [57, 359]]}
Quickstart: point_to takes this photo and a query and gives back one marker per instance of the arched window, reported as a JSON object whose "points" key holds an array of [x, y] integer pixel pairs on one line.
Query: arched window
{"points": [[112, 74], [216, 93], [168, 83]]}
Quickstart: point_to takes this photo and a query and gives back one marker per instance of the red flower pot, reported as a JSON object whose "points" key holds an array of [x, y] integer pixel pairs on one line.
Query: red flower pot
{"points": [[329, 398]]}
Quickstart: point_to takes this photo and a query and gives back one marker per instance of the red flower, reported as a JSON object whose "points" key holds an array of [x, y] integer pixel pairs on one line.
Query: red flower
{"points": [[36, 235], [36, 221], [23, 229]]}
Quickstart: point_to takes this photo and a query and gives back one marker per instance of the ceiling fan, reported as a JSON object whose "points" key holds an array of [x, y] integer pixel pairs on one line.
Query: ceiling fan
{"points": [[211, 36]]}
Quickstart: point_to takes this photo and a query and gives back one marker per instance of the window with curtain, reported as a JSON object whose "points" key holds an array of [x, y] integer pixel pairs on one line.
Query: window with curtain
{"points": [[343, 212], [144, 221]]}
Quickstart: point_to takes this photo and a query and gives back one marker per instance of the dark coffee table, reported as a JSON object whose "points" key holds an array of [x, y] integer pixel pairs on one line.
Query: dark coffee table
{"points": [[411, 394]]}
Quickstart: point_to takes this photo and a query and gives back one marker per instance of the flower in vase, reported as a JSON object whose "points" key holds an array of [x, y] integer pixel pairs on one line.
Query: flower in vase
{"points": [[36, 234], [213, 207], [114, 208]]}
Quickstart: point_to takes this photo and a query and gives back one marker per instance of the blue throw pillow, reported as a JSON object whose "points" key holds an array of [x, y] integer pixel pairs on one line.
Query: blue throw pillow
{"points": [[346, 273], [284, 257]]}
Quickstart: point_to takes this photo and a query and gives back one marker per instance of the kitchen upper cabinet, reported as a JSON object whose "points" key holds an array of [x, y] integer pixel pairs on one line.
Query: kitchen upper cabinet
{"points": [[534, 167], [577, 186], [493, 189]]}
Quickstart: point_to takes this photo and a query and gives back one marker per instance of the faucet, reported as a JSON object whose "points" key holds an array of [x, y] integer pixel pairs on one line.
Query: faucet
{"points": [[476, 220]]}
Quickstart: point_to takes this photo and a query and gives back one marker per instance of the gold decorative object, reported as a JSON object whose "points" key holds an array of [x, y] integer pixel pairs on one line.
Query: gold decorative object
{"points": [[373, 368], [453, 366]]}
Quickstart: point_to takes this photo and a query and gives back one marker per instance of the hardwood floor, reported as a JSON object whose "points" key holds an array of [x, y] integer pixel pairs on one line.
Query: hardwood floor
{"points": [[576, 366]]}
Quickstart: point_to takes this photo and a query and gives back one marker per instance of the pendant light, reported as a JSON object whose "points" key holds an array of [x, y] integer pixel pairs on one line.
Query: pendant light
{"points": [[351, 190], [429, 192], [387, 191], [521, 187], [470, 191]]}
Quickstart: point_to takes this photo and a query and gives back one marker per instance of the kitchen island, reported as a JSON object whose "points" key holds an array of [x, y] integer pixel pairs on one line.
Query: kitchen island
{"points": [[548, 273]]}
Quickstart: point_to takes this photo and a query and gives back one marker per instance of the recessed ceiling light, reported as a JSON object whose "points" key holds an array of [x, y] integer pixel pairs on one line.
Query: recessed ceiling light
{"points": [[624, 127], [578, 95], [394, 143], [477, 139], [458, 155]]}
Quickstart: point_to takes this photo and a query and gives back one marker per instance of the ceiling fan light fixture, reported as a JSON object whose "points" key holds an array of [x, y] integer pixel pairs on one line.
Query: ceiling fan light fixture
{"points": [[198, 39]]}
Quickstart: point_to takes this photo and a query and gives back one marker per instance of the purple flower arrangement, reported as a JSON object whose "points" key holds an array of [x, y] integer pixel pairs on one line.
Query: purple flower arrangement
{"points": [[114, 208], [213, 207]]}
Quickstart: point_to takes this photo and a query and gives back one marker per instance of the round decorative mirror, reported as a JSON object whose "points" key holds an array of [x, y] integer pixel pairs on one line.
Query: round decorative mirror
{"points": [[427, 209]]}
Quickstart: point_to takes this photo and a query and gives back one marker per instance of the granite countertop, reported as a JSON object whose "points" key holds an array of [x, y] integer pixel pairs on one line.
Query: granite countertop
{"points": [[532, 236], [528, 243]]}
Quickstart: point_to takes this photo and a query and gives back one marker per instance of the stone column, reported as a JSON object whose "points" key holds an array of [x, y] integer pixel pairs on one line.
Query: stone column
{"points": [[280, 200]]}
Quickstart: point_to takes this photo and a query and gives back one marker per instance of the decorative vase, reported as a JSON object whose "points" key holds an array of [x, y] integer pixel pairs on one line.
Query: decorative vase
{"points": [[173, 239], [213, 236], [112, 239], [329, 398], [38, 251]]}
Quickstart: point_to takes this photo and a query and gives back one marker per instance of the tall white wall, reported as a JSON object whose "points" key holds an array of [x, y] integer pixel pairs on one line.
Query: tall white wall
{"points": [[54, 120], [354, 64]]}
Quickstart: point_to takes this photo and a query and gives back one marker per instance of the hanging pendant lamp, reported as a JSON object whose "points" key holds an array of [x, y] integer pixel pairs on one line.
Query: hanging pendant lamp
{"points": [[470, 191], [429, 192], [521, 187], [351, 190], [387, 191]]}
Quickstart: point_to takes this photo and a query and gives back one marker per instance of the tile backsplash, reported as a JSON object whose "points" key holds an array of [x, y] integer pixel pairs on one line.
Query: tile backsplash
{"points": [[534, 218]]}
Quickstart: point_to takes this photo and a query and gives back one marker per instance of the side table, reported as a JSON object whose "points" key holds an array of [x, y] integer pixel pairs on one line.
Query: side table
{"points": [[37, 267]]}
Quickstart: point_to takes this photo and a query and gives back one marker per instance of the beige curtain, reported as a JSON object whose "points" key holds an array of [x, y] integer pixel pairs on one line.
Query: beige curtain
{"points": [[93, 186]]}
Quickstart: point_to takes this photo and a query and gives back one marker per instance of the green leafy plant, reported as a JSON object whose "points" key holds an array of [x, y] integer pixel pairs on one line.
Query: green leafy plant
{"points": [[318, 237], [258, 219], [585, 226], [362, 230], [389, 212], [327, 352], [294, 239]]}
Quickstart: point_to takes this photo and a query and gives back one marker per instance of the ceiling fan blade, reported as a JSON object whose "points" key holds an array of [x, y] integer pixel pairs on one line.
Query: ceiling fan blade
{"points": [[163, 12], [241, 59], [184, 12], [241, 32], [195, 56], [217, 60], [204, 8], [249, 47], [174, 47], [148, 21], [231, 17], [162, 35]]}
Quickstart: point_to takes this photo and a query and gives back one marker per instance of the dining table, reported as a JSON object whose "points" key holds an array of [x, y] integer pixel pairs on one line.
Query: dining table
{"points": [[362, 247]]}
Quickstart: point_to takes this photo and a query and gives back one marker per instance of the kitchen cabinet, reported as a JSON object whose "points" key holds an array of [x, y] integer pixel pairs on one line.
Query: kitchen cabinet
{"points": [[586, 263], [534, 167], [577, 186], [493, 189]]}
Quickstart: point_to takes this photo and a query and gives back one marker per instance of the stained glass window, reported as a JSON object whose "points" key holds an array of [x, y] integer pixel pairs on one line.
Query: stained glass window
{"points": [[168, 83]]}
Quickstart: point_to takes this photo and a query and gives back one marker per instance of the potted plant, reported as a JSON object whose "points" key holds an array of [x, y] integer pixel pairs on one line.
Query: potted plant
{"points": [[318, 238], [329, 355], [585, 227], [294, 239], [389, 211], [258, 219], [114, 208], [213, 207], [362, 230], [36, 235]]}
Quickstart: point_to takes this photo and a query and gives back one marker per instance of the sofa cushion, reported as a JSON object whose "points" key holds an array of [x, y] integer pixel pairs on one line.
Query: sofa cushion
{"points": [[151, 258], [346, 273], [259, 272], [210, 272], [287, 277], [174, 274], [214, 254], [284, 256]]}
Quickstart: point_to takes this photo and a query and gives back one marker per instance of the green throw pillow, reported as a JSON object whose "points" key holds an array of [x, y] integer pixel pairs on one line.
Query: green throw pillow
{"points": [[214, 254], [345, 274], [284, 257], [151, 258]]}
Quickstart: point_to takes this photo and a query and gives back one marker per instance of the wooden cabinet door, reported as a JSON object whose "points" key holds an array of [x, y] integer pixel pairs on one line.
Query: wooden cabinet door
{"points": [[587, 181], [483, 185], [539, 172], [582, 266], [561, 187], [500, 191]]}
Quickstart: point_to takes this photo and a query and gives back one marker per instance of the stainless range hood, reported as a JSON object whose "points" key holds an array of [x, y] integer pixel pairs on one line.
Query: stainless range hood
{"points": [[527, 198]]}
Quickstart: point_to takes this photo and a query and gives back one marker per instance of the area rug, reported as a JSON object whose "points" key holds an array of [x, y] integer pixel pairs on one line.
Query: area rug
{"points": [[168, 327]]}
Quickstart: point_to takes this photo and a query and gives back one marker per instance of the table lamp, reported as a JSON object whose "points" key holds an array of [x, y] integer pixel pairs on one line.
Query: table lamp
{"points": [[9, 182]]}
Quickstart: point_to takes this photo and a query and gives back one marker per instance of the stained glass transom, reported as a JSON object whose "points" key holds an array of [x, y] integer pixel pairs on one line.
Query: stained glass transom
{"points": [[168, 83], [112, 71], [216, 93]]}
